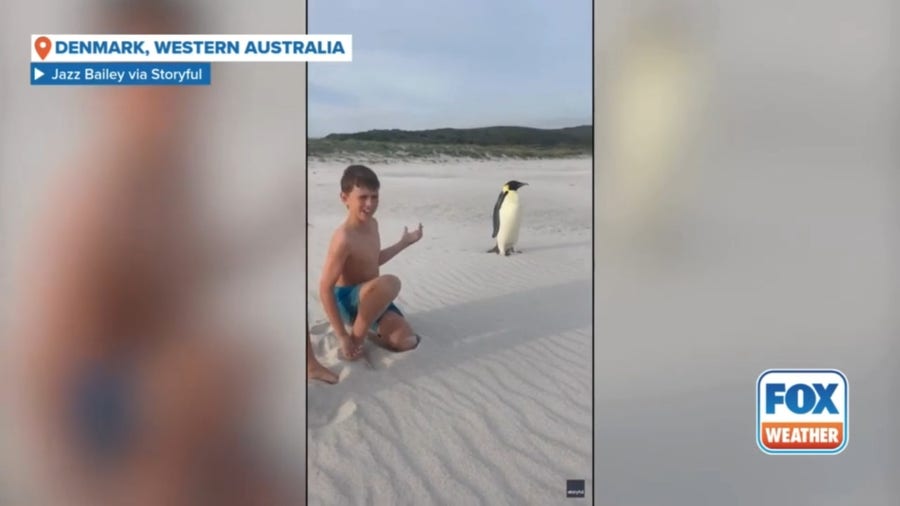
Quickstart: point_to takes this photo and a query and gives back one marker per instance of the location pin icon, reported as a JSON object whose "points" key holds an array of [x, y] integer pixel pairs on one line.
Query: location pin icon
{"points": [[42, 46]]}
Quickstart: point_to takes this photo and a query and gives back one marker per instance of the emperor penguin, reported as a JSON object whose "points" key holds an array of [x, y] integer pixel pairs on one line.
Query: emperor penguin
{"points": [[507, 218]]}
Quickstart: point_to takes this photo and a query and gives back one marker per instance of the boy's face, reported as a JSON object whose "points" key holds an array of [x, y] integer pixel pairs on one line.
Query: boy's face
{"points": [[361, 202], [154, 114]]}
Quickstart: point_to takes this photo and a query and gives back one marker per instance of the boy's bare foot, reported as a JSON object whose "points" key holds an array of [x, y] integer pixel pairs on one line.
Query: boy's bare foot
{"points": [[317, 371]]}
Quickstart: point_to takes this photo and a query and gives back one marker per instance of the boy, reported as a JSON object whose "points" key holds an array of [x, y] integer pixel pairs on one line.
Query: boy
{"points": [[352, 289], [132, 396]]}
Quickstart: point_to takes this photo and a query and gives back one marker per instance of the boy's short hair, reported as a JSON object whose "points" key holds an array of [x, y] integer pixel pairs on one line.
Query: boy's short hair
{"points": [[359, 175], [154, 16]]}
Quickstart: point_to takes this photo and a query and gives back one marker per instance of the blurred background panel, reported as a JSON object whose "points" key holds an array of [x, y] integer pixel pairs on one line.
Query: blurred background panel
{"points": [[245, 138], [747, 218]]}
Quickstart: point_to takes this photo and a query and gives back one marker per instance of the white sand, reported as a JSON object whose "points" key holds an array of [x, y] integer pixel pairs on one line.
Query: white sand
{"points": [[494, 407]]}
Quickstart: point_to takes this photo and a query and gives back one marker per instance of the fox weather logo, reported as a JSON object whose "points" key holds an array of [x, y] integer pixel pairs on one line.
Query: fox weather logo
{"points": [[802, 411]]}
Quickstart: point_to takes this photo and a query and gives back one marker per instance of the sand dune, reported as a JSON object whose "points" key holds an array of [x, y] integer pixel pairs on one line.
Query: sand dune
{"points": [[494, 407]]}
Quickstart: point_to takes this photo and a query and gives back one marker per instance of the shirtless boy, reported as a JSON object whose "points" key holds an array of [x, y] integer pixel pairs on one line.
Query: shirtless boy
{"points": [[352, 289], [132, 395]]}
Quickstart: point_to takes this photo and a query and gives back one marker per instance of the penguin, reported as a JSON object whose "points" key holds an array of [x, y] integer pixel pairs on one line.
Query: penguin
{"points": [[507, 219]]}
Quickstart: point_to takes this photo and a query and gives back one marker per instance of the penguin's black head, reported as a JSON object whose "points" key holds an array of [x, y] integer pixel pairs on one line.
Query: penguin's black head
{"points": [[514, 185]]}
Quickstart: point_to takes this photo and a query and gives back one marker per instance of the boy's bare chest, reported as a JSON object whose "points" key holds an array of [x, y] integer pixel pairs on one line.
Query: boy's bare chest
{"points": [[365, 247]]}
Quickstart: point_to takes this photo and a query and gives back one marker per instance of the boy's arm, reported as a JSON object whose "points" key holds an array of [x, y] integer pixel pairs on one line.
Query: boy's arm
{"points": [[63, 310], [338, 251], [405, 241], [391, 251]]}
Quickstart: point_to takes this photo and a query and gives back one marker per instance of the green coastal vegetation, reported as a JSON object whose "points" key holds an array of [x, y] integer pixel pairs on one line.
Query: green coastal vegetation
{"points": [[496, 142]]}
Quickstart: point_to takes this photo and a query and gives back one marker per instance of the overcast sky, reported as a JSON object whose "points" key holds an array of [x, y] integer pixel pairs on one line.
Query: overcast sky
{"points": [[457, 64]]}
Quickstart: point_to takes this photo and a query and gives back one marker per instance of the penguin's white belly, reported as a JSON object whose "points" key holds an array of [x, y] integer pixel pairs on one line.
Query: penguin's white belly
{"points": [[510, 222]]}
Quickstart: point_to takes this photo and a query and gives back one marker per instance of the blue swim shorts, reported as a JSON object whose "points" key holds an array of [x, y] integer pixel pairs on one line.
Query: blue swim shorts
{"points": [[348, 305], [103, 411]]}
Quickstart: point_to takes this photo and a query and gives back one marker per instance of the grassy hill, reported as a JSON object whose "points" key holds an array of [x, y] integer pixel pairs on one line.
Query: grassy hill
{"points": [[478, 143]]}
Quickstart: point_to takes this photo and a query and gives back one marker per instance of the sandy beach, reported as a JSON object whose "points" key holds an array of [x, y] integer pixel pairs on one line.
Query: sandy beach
{"points": [[494, 407]]}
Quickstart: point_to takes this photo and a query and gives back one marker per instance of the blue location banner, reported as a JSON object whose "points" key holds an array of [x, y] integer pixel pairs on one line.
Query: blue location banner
{"points": [[121, 74]]}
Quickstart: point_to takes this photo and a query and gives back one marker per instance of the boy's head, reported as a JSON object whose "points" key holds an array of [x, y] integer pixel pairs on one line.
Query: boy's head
{"points": [[359, 191], [155, 114]]}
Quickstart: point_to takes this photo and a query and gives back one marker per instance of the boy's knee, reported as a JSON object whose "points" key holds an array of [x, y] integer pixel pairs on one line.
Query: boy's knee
{"points": [[386, 285], [390, 283]]}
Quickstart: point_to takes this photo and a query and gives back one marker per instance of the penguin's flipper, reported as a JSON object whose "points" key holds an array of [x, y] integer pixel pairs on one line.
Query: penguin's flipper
{"points": [[496, 215]]}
